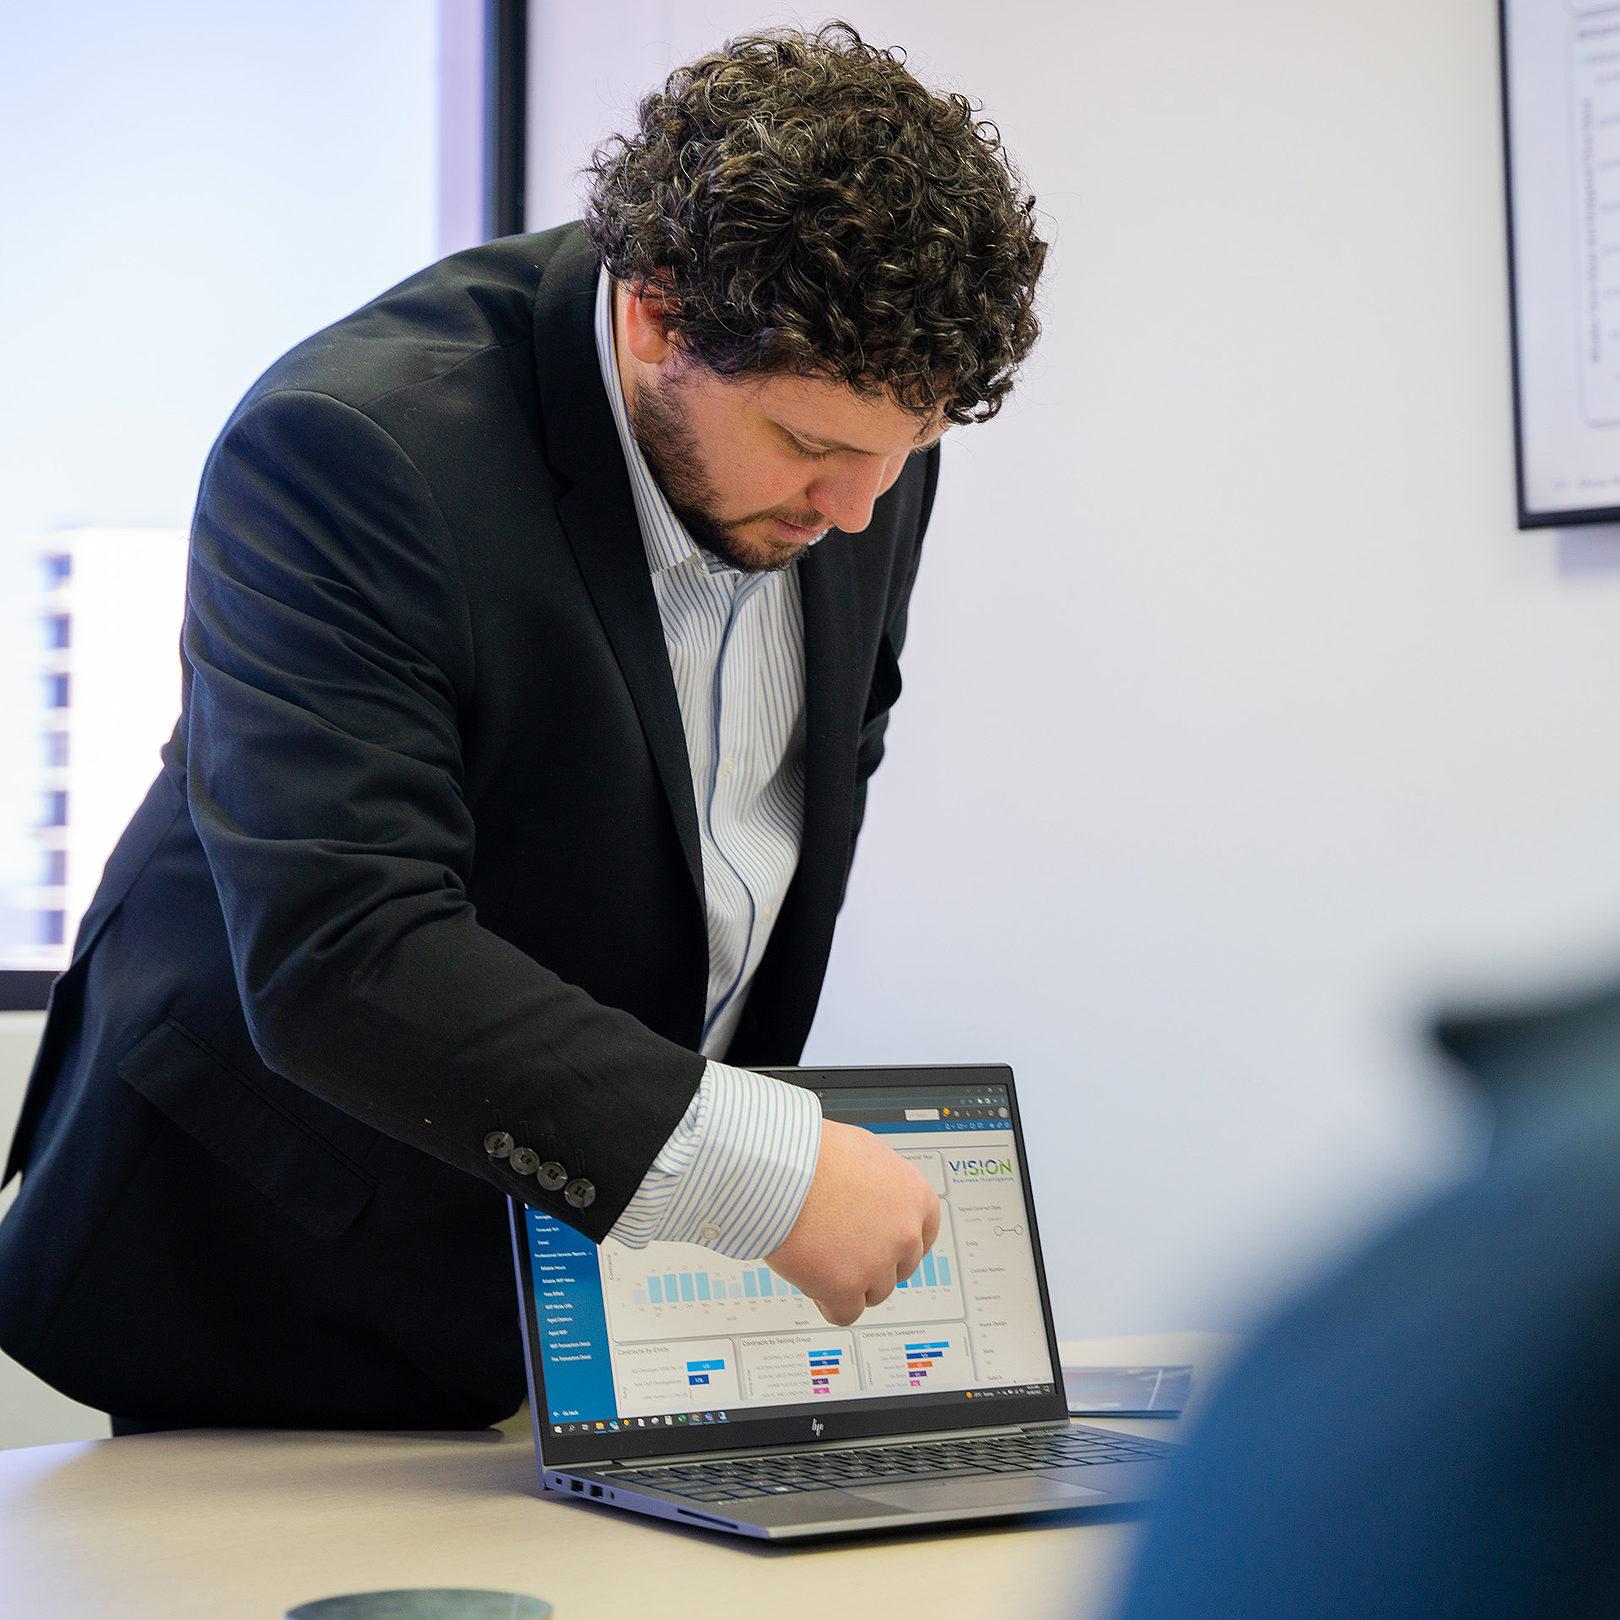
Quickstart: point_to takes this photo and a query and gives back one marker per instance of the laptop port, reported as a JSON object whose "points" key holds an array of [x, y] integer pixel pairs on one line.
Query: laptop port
{"points": [[576, 1485], [596, 1490]]}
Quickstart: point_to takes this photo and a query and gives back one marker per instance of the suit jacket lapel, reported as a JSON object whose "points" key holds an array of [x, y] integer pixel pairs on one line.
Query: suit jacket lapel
{"points": [[598, 515], [832, 714]]}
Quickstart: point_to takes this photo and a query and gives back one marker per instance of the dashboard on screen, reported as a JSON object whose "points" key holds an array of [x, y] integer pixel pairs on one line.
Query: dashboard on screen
{"points": [[1561, 89]]}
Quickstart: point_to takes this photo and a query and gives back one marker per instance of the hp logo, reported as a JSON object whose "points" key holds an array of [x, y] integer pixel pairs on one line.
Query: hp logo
{"points": [[816, 1426]]}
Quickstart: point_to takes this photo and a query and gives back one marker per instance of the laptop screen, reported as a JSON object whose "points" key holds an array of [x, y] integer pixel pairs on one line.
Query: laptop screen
{"points": [[673, 1347]]}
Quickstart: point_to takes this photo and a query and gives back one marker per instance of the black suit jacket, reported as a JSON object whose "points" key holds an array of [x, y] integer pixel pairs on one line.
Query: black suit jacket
{"points": [[422, 864], [1434, 1432]]}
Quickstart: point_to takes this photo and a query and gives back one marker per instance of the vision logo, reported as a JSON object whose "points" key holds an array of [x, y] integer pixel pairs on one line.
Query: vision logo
{"points": [[980, 1167]]}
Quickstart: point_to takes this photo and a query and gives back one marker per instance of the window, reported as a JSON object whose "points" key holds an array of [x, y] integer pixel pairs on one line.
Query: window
{"points": [[205, 186]]}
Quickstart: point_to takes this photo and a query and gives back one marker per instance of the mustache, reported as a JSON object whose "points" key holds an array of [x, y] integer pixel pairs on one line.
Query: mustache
{"points": [[799, 520]]}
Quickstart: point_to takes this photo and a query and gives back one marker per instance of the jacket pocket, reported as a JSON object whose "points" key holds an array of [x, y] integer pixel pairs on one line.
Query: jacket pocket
{"points": [[245, 1128]]}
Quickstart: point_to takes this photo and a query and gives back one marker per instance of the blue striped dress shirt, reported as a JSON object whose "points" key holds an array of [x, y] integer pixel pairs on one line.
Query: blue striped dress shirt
{"points": [[734, 1173]]}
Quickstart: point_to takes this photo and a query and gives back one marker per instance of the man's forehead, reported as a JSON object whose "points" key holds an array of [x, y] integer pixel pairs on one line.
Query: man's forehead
{"points": [[828, 415]]}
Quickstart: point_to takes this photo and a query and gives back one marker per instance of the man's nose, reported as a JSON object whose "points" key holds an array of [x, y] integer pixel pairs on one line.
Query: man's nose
{"points": [[846, 496]]}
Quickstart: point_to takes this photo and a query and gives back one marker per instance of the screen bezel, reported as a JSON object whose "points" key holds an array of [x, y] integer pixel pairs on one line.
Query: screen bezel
{"points": [[850, 1420]]}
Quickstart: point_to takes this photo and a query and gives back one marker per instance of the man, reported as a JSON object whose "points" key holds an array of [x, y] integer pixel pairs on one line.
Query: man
{"points": [[543, 624], [1434, 1431]]}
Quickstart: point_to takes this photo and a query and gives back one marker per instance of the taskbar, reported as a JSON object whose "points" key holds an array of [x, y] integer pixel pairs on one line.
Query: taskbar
{"points": [[670, 1420]]}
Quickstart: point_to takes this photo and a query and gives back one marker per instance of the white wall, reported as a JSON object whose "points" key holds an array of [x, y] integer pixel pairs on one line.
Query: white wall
{"points": [[1239, 721]]}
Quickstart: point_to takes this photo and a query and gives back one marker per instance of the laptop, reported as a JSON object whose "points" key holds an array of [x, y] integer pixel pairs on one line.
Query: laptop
{"points": [[674, 1382]]}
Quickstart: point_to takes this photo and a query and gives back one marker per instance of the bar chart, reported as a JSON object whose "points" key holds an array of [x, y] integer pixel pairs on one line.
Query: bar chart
{"points": [[901, 1360], [668, 1290], [694, 1375], [691, 1287], [799, 1366], [934, 1272]]}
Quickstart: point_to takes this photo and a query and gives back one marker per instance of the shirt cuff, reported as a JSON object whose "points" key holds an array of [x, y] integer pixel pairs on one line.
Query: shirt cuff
{"points": [[734, 1173]]}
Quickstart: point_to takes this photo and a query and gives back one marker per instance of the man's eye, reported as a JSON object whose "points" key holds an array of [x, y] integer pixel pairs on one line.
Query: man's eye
{"points": [[812, 455]]}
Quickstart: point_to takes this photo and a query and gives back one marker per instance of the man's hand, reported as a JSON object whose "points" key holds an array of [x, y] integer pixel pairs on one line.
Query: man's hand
{"points": [[866, 1223]]}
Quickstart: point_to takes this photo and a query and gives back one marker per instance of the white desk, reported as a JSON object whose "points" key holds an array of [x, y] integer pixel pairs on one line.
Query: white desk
{"points": [[234, 1525]]}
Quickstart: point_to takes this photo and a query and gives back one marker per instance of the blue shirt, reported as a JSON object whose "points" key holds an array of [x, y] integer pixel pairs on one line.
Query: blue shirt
{"points": [[734, 1173]]}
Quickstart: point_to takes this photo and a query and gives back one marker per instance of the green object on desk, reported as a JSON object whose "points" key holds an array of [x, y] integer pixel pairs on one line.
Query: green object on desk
{"points": [[424, 1603]]}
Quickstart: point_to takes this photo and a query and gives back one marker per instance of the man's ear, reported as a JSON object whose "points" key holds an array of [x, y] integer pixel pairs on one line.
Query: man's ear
{"points": [[647, 322]]}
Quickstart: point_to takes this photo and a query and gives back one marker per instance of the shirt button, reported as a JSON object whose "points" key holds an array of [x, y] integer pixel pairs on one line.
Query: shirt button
{"points": [[580, 1193], [551, 1175], [524, 1160], [709, 1233], [498, 1144], [727, 766]]}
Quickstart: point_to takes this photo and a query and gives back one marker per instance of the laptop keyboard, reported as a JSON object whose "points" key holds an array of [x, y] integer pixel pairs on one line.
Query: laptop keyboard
{"points": [[731, 1477]]}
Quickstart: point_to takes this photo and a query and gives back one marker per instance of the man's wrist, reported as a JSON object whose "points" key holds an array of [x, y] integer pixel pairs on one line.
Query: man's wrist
{"points": [[734, 1174]]}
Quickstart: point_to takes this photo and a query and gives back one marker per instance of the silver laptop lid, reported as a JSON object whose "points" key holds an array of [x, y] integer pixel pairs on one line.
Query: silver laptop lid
{"points": [[673, 1348]]}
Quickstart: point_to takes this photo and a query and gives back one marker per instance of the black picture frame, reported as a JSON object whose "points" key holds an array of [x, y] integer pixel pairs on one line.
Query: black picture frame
{"points": [[1527, 519]]}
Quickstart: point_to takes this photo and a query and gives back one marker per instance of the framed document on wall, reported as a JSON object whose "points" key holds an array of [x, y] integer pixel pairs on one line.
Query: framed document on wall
{"points": [[1561, 123]]}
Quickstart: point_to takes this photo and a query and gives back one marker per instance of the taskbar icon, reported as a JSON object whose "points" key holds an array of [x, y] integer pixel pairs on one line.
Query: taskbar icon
{"points": [[665, 1420]]}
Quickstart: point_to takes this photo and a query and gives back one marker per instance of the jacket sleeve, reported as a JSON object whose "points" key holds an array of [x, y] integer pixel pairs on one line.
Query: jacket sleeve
{"points": [[331, 657]]}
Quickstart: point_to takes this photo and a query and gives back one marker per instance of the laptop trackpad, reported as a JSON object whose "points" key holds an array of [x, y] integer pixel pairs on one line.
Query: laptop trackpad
{"points": [[985, 1490]]}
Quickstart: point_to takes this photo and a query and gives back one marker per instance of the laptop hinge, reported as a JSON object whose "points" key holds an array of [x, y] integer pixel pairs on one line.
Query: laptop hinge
{"points": [[876, 1442]]}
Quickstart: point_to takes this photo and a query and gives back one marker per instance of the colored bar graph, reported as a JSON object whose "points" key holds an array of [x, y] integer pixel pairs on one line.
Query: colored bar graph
{"points": [[934, 1272], [701, 1287], [920, 1358], [825, 1364]]}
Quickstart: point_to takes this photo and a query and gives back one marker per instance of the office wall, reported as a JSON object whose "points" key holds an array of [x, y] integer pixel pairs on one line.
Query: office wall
{"points": [[1240, 722]]}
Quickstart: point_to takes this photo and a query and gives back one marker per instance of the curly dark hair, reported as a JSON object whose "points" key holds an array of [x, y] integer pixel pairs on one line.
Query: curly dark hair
{"points": [[805, 205]]}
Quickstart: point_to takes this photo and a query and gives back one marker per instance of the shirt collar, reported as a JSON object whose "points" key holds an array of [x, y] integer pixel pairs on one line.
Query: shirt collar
{"points": [[663, 534]]}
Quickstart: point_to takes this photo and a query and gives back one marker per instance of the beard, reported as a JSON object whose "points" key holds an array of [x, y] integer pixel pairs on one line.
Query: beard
{"points": [[670, 447]]}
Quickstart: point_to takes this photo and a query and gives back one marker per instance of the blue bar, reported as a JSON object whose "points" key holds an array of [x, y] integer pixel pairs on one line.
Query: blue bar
{"points": [[698, 1378], [750, 1287], [944, 1272], [764, 1275], [705, 1366], [703, 1284], [669, 1289], [905, 1282], [928, 1270], [686, 1286], [655, 1290]]}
